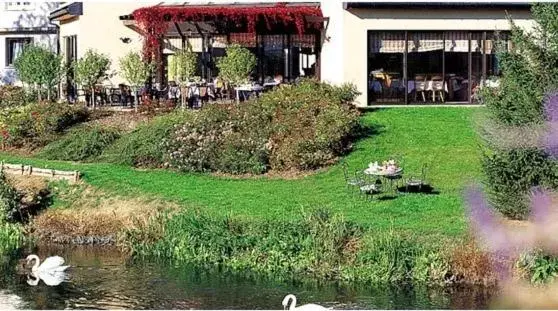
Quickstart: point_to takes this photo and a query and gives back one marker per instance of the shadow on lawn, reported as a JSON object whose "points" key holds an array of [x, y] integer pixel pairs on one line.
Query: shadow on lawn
{"points": [[367, 130], [425, 189]]}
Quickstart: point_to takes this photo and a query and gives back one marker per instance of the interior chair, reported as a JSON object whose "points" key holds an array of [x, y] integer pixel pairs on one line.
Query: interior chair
{"points": [[420, 86], [438, 89]]}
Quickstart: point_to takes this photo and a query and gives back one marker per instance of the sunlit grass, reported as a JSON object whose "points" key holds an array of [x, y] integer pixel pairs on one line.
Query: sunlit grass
{"points": [[442, 137]]}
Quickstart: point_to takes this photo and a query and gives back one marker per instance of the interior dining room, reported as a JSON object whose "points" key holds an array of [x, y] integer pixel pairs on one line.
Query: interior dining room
{"points": [[431, 67]]}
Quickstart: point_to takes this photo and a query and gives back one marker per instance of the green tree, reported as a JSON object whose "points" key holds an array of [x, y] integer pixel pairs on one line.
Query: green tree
{"points": [[40, 67], [529, 70], [135, 71], [237, 65], [90, 70], [182, 65]]}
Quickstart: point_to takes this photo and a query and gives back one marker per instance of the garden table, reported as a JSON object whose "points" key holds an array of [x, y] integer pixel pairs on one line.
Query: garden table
{"points": [[386, 174]]}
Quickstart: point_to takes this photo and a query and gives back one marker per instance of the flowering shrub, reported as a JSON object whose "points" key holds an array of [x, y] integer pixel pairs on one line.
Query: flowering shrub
{"points": [[35, 125], [13, 96], [218, 138], [301, 127], [312, 124]]}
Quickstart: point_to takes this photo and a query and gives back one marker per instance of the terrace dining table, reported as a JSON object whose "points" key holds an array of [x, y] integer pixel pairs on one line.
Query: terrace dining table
{"points": [[249, 89]]}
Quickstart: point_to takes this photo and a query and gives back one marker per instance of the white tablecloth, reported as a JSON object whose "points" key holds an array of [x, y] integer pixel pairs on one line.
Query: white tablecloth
{"points": [[271, 84], [374, 172], [249, 88]]}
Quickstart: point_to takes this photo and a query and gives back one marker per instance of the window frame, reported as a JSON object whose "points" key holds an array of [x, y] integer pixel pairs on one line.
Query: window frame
{"points": [[9, 52]]}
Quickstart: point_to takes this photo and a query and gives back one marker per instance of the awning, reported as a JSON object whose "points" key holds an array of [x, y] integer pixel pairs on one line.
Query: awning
{"points": [[69, 11]]}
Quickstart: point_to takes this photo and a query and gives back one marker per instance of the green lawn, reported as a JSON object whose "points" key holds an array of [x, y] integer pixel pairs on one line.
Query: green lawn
{"points": [[443, 137]]}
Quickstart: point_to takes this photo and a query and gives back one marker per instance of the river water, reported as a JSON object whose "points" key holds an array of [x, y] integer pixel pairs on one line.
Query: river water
{"points": [[102, 278]]}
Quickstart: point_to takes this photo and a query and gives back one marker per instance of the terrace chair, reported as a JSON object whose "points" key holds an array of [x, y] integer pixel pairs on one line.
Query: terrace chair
{"points": [[204, 95], [417, 182], [420, 86], [350, 181], [369, 186]]}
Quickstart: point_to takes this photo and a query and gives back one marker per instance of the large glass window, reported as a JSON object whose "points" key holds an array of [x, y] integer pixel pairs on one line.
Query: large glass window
{"points": [[430, 67]]}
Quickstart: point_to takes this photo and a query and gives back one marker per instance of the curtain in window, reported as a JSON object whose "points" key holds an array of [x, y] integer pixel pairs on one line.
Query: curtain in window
{"points": [[16, 49], [424, 42], [387, 42]]}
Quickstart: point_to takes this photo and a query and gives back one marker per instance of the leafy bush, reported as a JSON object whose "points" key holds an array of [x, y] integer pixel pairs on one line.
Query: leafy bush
{"points": [[510, 179], [312, 124], [36, 125], [9, 201], [540, 267], [81, 143], [143, 146], [300, 127], [13, 96]]}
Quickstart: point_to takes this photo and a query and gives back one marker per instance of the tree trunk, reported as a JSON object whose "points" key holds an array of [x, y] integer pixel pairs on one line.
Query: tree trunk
{"points": [[48, 94], [93, 98], [38, 92], [136, 99]]}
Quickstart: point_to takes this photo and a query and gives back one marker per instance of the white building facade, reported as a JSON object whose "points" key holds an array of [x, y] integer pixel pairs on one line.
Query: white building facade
{"points": [[394, 52], [24, 23]]}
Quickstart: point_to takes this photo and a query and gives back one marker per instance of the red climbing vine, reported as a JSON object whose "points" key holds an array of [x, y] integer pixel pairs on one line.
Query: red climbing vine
{"points": [[154, 20]]}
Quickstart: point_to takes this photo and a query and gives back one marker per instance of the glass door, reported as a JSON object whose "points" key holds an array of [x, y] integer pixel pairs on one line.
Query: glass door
{"points": [[386, 54]]}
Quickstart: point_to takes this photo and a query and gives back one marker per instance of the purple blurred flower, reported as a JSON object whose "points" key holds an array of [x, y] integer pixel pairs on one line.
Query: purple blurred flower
{"points": [[541, 203], [550, 140], [551, 107]]}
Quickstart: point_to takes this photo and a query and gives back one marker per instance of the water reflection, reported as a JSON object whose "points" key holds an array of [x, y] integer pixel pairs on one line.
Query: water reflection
{"points": [[9, 301], [102, 278], [54, 278]]}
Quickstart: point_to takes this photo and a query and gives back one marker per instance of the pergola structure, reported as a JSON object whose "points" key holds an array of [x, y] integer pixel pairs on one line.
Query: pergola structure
{"points": [[294, 27]]}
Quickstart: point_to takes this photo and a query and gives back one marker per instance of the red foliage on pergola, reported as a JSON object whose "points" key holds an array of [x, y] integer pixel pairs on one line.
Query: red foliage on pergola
{"points": [[154, 20]]}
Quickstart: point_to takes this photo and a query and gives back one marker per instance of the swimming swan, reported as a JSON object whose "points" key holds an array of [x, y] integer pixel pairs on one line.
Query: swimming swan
{"points": [[307, 307], [51, 264], [50, 278]]}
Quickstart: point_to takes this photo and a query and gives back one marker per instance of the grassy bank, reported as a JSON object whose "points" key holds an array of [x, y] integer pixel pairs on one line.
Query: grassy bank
{"points": [[443, 137], [267, 224]]}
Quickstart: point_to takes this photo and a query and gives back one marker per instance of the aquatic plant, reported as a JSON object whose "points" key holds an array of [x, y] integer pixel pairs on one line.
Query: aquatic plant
{"points": [[318, 244]]}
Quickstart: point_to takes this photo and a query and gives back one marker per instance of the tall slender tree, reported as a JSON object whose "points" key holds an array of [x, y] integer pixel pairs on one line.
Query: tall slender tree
{"points": [[529, 71], [90, 70]]}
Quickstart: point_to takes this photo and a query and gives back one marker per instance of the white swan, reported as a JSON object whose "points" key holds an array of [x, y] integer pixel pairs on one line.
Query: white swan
{"points": [[307, 307], [51, 264], [50, 278]]}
